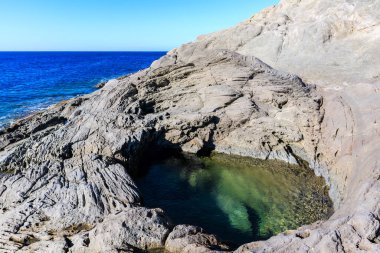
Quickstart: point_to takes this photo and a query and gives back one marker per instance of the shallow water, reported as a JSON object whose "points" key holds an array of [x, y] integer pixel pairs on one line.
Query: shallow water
{"points": [[238, 199]]}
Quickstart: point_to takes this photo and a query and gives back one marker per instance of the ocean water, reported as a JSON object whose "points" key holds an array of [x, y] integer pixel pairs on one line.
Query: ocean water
{"points": [[31, 81]]}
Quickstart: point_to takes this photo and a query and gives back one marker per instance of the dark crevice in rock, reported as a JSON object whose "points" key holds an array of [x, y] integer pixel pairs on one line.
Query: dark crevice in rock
{"points": [[66, 152], [100, 85], [52, 122], [303, 234], [299, 160], [146, 107], [69, 244]]}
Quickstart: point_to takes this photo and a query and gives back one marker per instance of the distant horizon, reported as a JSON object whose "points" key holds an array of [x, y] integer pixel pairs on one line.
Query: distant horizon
{"points": [[84, 51], [115, 25]]}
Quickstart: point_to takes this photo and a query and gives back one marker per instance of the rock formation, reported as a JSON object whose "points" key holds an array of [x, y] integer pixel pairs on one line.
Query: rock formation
{"points": [[66, 185]]}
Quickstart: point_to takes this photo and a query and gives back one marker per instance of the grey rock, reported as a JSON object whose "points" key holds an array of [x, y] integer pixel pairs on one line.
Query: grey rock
{"points": [[68, 167], [191, 239], [130, 229]]}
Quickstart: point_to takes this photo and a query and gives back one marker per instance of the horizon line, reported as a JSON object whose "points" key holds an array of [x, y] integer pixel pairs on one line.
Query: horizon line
{"points": [[83, 51]]}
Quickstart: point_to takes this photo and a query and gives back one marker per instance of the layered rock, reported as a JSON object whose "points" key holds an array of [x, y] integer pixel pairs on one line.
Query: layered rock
{"points": [[66, 170], [335, 46], [66, 184]]}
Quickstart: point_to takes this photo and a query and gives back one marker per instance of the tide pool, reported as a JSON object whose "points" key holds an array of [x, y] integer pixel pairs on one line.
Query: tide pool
{"points": [[238, 199]]}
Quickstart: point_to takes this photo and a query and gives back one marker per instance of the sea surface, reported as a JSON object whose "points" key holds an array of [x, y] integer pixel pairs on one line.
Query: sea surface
{"points": [[31, 81]]}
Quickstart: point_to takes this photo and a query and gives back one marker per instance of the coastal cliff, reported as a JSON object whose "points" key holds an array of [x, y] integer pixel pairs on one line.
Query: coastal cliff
{"points": [[66, 184]]}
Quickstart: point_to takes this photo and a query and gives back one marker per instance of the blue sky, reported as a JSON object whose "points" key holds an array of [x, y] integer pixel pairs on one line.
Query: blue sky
{"points": [[135, 25]]}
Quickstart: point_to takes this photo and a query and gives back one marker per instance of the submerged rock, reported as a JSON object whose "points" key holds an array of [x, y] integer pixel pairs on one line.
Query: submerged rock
{"points": [[239, 199]]}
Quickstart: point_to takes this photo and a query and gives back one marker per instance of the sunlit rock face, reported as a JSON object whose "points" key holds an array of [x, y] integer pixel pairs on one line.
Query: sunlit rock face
{"points": [[318, 40], [68, 168], [333, 44], [238, 199]]}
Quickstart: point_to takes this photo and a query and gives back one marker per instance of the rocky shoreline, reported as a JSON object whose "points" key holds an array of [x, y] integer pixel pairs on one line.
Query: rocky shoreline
{"points": [[66, 184]]}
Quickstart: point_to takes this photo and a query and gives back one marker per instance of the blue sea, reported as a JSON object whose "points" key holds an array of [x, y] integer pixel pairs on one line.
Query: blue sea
{"points": [[31, 81]]}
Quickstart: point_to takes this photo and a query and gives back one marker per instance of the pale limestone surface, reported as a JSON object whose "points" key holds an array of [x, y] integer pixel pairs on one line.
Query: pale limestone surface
{"points": [[68, 186], [335, 45]]}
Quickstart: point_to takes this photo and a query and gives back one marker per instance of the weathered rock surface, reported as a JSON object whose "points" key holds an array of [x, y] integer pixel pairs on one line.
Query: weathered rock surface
{"points": [[333, 44], [191, 239], [66, 184], [66, 170]]}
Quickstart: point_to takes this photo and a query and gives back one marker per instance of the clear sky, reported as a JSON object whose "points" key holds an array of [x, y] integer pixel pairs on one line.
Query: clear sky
{"points": [[112, 25]]}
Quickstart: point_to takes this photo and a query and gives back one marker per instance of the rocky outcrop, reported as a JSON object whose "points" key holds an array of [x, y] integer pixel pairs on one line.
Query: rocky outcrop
{"points": [[66, 185], [333, 45], [66, 170], [191, 239]]}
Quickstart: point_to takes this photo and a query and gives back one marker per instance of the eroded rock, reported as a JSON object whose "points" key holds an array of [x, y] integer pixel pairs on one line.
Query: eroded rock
{"points": [[62, 174]]}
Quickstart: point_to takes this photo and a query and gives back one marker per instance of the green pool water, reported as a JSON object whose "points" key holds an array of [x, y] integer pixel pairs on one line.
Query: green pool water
{"points": [[238, 199]]}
